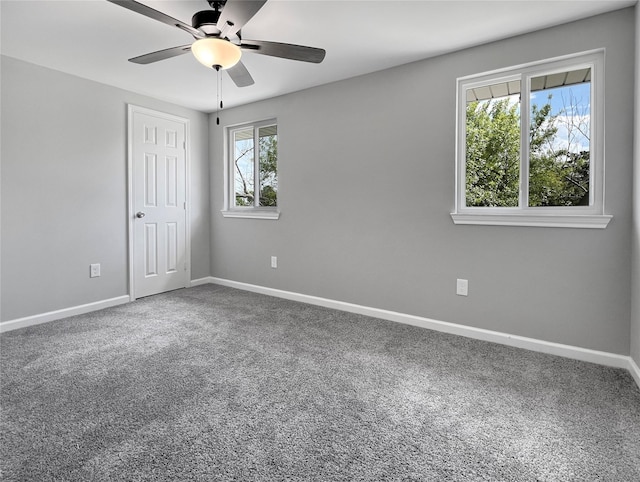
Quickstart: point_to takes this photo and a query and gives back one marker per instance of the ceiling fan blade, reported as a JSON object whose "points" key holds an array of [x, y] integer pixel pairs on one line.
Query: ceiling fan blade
{"points": [[156, 15], [161, 55], [236, 13], [285, 51], [240, 75]]}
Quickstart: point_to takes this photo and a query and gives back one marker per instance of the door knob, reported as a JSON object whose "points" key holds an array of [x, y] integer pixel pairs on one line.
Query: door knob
{"points": [[139, 214]]}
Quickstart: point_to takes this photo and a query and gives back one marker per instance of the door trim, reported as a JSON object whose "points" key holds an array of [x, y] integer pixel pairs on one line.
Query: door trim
{"points": [[131, 110]]}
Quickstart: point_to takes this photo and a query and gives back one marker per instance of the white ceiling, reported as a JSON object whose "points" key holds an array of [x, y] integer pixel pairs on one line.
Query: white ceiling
{"points": [[94, 38]]}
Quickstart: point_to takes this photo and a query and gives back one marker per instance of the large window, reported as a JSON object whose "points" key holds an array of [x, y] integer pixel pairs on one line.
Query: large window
{"points": [[252, 170], [530, 145]]}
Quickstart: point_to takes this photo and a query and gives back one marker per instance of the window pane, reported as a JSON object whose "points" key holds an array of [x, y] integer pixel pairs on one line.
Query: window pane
{"points": [[493, 145], [268, 146], [559, 151], [244, 167]]}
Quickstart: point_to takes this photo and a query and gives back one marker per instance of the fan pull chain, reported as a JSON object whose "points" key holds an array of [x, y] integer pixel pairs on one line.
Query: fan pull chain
{"points": [[218, 95], [220, 84]]}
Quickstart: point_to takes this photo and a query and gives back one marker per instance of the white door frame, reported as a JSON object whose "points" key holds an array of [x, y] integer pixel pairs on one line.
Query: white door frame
{"points": [[131, 110]]}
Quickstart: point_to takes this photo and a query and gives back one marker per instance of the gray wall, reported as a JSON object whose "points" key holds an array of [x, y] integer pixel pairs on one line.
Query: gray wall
{"points": [[367, 184], [635, 266], [64, 189]]}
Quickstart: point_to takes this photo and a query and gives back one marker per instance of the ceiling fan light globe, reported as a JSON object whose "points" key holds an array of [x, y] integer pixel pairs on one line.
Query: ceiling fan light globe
{"points": [[213, 52]]}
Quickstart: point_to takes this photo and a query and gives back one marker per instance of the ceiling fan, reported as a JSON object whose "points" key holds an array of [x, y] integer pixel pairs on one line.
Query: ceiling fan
{"points": [[218, 43]]}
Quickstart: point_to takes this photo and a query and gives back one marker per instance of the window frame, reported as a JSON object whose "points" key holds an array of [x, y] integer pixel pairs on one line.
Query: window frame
{"points": [[591, 216], [230, 209]]}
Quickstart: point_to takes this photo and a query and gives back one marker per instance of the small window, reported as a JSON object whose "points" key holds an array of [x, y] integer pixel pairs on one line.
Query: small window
{"points": [[530, 145], [252, 170]]}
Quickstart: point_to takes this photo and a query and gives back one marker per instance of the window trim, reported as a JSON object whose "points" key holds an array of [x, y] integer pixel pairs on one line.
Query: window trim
{"points": [[230, 210], [251, 213], [592, 216]]}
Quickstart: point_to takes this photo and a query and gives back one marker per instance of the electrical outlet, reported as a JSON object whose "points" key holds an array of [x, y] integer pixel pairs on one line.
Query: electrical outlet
{"points": [[94, 270], [462, 287], [274, 262]]}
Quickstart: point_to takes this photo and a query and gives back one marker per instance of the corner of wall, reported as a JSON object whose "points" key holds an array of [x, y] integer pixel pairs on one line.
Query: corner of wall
{"points": [[635, 242]]}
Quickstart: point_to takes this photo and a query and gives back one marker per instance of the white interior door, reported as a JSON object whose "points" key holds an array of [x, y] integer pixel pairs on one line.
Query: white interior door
{"points": [[158, 157]]}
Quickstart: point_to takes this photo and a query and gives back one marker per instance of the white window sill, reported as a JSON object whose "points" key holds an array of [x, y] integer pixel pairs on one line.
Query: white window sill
{"points": [[593, 221], [251, 213]]}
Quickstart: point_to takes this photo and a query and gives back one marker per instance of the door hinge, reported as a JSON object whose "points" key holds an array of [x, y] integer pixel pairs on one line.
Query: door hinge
{"points": [[184, 205]]}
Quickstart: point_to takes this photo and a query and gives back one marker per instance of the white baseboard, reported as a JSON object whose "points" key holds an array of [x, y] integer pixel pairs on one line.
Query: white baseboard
{"points": [[634, 370], [59, 314], [567, 351], [203, 281]]}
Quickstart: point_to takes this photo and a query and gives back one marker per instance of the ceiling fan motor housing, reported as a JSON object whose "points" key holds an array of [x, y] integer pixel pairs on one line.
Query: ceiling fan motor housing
{"points": [[206, 20]]}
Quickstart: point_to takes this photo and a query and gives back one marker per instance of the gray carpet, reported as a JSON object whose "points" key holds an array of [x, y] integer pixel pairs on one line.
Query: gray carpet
{"points": [[212, 383]]}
